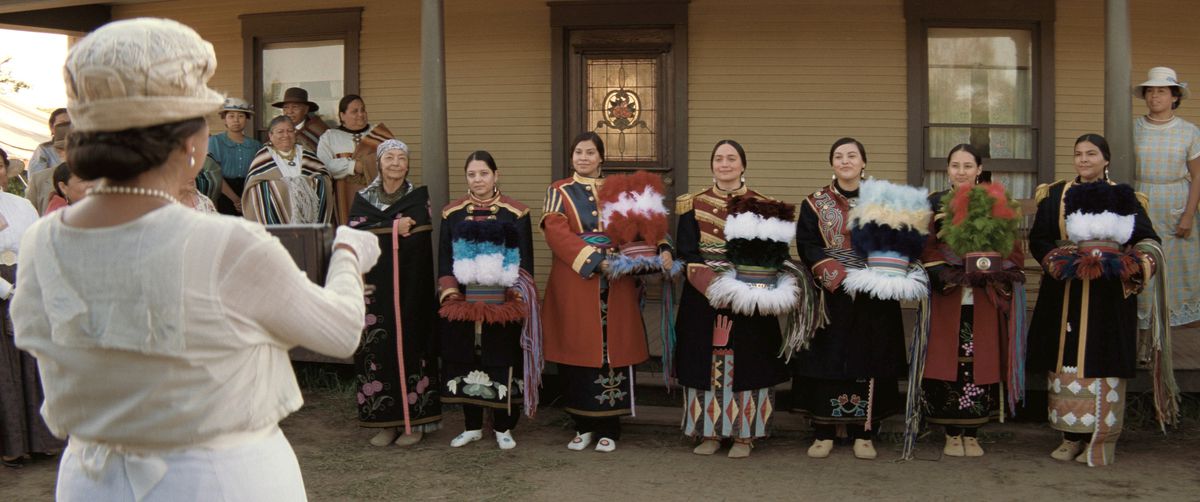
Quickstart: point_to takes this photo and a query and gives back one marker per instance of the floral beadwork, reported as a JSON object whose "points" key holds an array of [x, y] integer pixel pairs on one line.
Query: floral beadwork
{"points": [[477, 384], [611, 385], [848, 406]]}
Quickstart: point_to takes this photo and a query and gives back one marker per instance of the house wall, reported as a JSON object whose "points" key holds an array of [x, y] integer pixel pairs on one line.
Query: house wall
{"points": [[784, 78]]}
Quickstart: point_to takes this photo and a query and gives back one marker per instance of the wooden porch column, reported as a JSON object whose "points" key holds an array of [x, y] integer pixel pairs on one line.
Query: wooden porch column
{"points": [[1118, 107], [434, 145]]}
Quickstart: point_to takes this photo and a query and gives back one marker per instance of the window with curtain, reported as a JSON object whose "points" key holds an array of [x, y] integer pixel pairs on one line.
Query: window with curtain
{"points": [[981, 91]]}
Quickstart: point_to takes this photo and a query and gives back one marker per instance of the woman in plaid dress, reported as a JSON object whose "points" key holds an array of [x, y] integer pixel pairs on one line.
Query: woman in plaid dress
{"points": [[1168, 152]]}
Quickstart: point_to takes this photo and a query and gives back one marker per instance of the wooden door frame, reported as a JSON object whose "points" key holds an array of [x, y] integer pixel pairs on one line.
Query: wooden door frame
{"points": [[566, 16], [261, 29], [1035, 15]]}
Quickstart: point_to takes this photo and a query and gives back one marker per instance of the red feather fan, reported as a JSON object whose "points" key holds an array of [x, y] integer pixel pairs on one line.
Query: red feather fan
{"points": [[625, 226], [1000, 207]]}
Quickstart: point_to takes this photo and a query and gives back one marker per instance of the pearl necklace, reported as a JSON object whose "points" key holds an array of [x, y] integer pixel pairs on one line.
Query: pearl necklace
{"points": [[1160, 121], [127, 190]]}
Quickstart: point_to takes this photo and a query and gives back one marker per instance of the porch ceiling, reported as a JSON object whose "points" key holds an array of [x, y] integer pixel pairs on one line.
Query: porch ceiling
{"points": [[12, 6]]}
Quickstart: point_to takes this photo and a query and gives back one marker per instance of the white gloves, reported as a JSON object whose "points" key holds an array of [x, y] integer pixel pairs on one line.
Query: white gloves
{"points": [[364, 244], [6, 289]]}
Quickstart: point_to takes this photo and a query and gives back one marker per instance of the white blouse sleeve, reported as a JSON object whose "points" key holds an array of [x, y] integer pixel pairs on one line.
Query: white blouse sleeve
{"points": [[265, 285], [338, 167], [30, 322]]}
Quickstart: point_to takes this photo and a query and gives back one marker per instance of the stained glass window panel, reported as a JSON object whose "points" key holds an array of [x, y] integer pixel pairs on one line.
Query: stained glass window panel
{"points": [[622, 95]]}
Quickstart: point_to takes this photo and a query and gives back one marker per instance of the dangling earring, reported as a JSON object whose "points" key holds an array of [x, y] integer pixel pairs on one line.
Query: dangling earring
{"points": [[496, 189], [1105, 173], [862, 175], [192, 158], [743, 179], [833, 178]]}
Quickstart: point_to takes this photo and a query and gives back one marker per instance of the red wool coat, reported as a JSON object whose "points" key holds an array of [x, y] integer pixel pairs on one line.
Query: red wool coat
{"points": [[571, 311]]}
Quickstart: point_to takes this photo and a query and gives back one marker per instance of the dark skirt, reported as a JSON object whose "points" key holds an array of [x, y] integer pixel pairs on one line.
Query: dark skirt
{"points": [[961, 402], [475, 375], [754, 339], [22, 429], [224, 204], [847, 401], [598, 392]]}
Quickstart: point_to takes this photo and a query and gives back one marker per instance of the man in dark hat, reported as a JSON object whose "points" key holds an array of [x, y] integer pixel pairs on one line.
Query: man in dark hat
{"points": [[309, 126]]}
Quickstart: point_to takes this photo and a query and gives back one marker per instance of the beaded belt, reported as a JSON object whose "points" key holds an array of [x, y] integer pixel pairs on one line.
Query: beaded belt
{"points": [[759, 277], [597, 239]]}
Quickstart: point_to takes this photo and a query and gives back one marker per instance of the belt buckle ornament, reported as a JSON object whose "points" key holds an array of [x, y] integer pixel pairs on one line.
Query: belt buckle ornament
{"points": [[982, 261], [8, 257]]}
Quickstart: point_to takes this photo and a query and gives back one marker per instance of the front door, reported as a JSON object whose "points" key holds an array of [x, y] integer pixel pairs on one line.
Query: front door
{"points": [[620, 70]]}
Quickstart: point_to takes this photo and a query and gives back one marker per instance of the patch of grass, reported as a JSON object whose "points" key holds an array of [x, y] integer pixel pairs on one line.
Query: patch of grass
{"points": [[323, 377]]}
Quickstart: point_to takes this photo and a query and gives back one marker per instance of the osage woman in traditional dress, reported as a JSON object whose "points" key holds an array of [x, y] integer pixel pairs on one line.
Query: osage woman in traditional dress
{"points": [[848, 375], [397, 362], [968, 352], [593, 325], [1084, 328], [489, 301], [286, 183], [712, 342]]}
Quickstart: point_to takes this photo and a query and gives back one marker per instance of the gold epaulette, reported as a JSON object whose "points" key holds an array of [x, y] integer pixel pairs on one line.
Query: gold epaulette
{"points": [[454, 206], [1143, 199], [683, 203], [1043, 191]]}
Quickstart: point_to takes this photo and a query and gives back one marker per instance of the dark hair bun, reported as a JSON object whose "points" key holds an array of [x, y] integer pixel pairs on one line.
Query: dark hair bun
{"points": [[122, 155]]}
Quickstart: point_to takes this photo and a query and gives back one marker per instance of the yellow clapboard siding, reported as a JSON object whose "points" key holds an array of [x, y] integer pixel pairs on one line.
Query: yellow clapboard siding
{"points": [[786, 79], [1162, 36]]}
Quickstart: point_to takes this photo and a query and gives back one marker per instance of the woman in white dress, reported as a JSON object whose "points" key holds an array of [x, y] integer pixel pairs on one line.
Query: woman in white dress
{"points": [[161, 332]]}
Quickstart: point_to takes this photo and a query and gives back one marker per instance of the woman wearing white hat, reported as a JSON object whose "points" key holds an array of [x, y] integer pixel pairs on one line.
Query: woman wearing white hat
{"points": [[1168, 153], [162, 333]]}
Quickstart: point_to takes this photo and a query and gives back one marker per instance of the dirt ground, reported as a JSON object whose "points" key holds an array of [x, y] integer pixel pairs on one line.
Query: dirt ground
{"points": [[656, 463]]}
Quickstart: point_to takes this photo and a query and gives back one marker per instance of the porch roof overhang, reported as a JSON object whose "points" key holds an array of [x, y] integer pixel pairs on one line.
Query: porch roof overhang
{"points": [[69, 17]]}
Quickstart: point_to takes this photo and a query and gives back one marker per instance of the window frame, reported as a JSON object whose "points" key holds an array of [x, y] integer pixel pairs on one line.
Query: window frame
{"points": [[1033, 15], [261, 29], [570, 24]]}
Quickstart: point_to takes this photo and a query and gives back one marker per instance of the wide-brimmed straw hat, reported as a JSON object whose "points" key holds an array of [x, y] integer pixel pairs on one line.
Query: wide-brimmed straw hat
{"points": [[1161, 76], [296, 95], [139, 73], [236, 105]]}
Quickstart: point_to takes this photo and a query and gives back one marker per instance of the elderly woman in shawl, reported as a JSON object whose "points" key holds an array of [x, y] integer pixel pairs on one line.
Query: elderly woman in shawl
{"points": [[397, 360], [286, 183]]}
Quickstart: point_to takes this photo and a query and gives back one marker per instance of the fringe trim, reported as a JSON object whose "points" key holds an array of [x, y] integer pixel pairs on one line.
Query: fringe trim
{"points": [[1166, 390], [726, 291], [1073, 264], [913, 286], [511, 311], [1018, 345], [531, 342], [957, 275], [620, 265], [809, 315], [916, 371], [666, 329]]}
